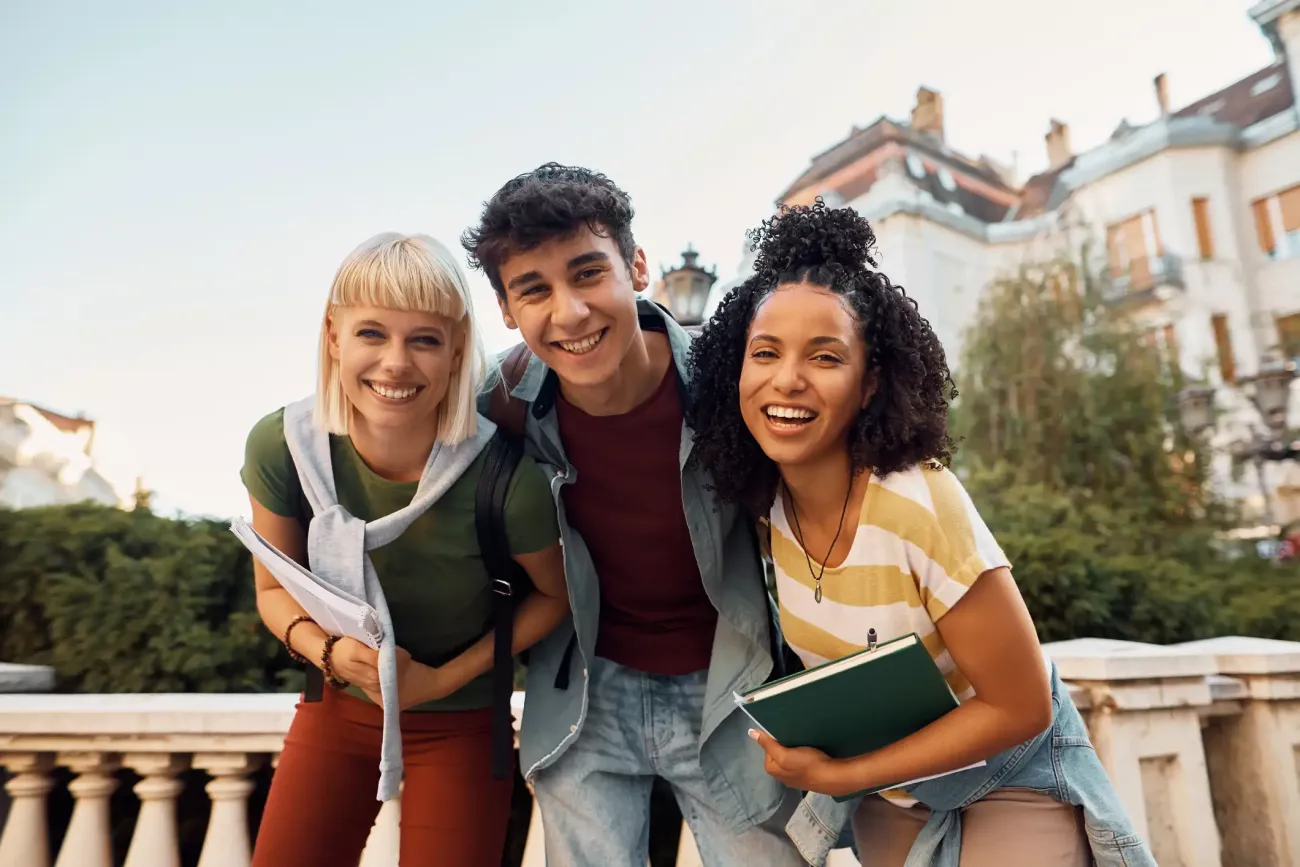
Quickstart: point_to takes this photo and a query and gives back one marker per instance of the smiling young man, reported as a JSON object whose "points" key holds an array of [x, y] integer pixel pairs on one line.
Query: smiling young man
{"points": [[670, 611]]}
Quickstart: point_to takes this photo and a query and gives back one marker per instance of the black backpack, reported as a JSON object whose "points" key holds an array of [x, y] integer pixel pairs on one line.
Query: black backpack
{"points": [[510, 584]]}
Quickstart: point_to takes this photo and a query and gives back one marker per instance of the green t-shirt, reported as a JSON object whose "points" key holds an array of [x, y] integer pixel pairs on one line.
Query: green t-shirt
{"points": [[433, 576]]}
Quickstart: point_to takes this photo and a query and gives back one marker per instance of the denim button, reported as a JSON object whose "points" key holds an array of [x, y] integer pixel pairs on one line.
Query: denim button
{"points": [[572, 729]]}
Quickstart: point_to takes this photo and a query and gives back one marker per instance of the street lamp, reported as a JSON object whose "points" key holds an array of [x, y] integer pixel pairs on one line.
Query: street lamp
{"points": [[685, 289], [1196, 407], [1269, 391]]}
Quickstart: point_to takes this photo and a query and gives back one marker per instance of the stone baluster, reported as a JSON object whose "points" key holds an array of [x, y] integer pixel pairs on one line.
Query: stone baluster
{"points": [[384, 842], [1144, 719], [155, 842], [88, 842], [1253, 750], [226, 843], [25, 841]]}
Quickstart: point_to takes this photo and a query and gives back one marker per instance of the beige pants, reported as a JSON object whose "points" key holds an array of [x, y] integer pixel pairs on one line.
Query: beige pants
{"points": [[1008, 828]]}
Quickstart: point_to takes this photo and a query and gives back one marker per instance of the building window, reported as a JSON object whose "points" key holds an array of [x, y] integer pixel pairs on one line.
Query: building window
{"points": [[1288, 334], [1289, 205], [1201, 214], [1223, 343], [1277, 223], [1132, 245]]}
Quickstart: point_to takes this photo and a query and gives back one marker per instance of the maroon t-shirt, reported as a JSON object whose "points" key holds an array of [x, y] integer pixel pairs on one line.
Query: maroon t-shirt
{"points": [[627, 504]]}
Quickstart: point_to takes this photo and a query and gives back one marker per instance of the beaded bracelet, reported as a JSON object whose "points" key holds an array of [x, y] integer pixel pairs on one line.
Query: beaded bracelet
{"points": [[327, 667], [288, 630]]}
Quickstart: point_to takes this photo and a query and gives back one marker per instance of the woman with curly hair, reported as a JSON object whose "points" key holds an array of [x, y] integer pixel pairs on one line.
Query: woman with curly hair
{"points": [[820, 403]]}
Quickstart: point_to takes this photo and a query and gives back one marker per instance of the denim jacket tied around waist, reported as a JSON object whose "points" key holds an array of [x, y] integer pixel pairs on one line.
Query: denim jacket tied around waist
{"points": [[1060, 763]]}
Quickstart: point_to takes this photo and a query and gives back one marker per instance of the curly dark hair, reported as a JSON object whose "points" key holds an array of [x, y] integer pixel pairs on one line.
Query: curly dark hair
{"points": [[906, 420], [551, 201]]}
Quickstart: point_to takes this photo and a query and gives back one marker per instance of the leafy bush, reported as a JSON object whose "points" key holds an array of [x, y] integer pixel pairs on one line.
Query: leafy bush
{"points": [[133, 602]]}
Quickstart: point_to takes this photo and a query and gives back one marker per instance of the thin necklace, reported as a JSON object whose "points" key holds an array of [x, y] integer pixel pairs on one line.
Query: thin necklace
{"points": [[794, 511]]}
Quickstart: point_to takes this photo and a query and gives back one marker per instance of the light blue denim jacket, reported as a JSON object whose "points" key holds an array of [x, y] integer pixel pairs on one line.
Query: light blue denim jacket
{"points": [[729, 563], [1060, 762]]}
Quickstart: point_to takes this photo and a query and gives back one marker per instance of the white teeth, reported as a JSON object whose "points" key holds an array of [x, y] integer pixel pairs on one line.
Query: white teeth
{"points": [[392, 393], [586, 344], [789, 412]]}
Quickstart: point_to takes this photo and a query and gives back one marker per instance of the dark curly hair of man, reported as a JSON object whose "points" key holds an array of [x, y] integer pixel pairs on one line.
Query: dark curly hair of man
{"points": [[906, 420], [551, 201]]}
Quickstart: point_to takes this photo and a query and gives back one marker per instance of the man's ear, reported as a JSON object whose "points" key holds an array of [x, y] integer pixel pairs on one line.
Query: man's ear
{"points": [[640, 271], [505, 312], [870, 384]]}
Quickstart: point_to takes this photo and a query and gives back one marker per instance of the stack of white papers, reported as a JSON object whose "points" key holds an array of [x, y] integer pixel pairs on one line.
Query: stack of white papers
{"points": [[336, 612]]}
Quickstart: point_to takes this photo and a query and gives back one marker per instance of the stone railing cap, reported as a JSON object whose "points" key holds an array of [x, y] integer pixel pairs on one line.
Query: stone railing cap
{"points": [[1112, 659], [1240, 654], [155, 713], [160, 713]]}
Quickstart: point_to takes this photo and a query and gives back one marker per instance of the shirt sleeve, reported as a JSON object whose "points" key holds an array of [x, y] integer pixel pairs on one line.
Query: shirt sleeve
{"points": [[268, 472], [958, 548], [531, 523]]}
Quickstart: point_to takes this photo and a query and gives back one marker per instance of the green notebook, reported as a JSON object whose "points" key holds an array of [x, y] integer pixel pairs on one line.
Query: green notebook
{"points": [[856, 704]]}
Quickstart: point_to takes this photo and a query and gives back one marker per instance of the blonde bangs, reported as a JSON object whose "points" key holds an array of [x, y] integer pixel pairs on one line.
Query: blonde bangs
{"points": [[402, 272], [413, 273]]}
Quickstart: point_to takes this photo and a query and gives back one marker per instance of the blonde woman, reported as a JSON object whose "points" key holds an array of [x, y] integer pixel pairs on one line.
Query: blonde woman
{"points": [[371, 483]]}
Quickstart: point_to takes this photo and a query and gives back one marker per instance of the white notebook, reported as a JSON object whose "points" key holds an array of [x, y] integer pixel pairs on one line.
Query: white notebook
{"points": [[336, 612]]}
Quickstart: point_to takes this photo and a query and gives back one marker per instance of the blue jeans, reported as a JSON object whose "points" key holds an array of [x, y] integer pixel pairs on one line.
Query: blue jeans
{"points": [[595, 800]]}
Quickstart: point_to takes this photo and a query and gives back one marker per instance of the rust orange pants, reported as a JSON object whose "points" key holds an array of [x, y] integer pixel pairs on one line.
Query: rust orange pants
{"points": [[322, 800]]}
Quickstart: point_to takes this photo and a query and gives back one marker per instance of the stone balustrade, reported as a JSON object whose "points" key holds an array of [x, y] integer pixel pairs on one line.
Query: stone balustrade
{"points": [[1202, 741]]}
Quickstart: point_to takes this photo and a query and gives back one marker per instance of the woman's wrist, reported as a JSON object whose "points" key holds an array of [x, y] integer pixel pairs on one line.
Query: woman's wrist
{"points": [[845, 776], [326, 663], [429, 684], [288, 638], [309, 641]]}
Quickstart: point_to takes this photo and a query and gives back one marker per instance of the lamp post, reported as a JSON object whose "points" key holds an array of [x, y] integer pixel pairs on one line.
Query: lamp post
{"points": [[684, 290], [1269, 391]]}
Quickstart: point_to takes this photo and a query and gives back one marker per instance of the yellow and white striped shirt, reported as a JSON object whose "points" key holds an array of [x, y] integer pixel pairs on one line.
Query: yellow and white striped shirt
{"points": [[919, 546]]}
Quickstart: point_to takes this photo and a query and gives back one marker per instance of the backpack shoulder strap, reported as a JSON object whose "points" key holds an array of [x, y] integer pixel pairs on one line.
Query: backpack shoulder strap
{"points": [[503, 453], [507, 411]]}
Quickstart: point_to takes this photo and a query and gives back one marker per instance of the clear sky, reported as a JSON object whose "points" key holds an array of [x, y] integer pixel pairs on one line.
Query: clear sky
{"points": [[178, 181]]}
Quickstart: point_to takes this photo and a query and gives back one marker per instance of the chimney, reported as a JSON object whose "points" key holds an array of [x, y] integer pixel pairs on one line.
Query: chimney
{"points": [[927, 116], [1162, 94], [1058, 145]]}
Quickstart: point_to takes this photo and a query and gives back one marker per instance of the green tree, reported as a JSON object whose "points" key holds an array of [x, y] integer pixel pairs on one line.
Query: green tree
{"points": [[121, 601], [1071, 446]]}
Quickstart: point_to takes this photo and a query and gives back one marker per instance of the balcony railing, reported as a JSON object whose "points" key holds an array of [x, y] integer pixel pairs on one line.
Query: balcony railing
{"points": [[1142, 278], [1199, 740]]}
